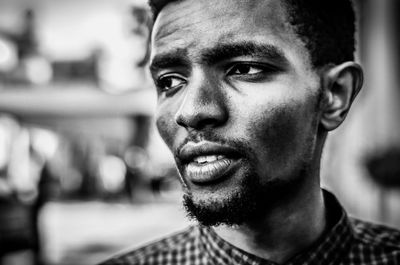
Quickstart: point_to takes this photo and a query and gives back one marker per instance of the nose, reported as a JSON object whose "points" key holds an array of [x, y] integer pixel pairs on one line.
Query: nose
{"points": [[203, 105]]}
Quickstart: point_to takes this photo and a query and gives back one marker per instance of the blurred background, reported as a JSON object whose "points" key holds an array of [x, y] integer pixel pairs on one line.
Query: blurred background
{"points": [[84, 174]]}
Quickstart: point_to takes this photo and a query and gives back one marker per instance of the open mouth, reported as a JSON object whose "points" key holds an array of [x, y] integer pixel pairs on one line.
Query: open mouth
{"points": [[205, 163], [209, 168]]}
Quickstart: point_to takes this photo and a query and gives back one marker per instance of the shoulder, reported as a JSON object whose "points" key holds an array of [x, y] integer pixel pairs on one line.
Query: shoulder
{"points": [[376, 234], [157, 252], [374, 243]]}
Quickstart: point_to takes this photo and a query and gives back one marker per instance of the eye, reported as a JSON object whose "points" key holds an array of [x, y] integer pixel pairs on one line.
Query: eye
{"points": [[252, 72], [170, 82], [245, 69]]}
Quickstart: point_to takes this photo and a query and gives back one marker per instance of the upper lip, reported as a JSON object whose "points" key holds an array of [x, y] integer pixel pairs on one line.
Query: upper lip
{"points": [[191, 150]]}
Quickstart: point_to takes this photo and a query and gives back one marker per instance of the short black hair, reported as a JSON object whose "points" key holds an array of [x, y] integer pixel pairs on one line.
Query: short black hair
{"points": [[327, 27]]}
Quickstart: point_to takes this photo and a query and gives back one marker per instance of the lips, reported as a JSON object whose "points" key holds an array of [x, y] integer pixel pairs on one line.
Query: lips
{"points": [[206, 162]]}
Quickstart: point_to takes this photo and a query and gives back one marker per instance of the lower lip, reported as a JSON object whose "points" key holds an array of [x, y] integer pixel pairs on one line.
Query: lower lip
{"points": [[208, 173]]}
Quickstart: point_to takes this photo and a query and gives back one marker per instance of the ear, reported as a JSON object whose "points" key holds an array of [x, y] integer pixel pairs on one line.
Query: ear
{"points": [[341, 85]]}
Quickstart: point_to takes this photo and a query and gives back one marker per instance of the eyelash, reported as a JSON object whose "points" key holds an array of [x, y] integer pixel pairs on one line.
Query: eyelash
{"points": [[263, 71], [162, 86]]}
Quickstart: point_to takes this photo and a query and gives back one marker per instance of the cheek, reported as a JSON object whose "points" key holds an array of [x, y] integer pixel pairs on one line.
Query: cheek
{"points": [[277, 132], [165, 125], [280, 135]]}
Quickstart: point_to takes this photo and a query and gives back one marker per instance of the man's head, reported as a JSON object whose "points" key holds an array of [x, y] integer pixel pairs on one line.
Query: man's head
{"points": [[327, 28], [247, 93]]}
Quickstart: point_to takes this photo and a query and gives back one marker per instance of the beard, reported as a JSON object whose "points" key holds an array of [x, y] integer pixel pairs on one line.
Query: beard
{"points": [[250, 201], [233, 209]]}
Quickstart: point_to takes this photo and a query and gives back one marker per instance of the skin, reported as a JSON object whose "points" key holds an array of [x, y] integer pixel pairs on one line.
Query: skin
{"points": [[271, 104]]}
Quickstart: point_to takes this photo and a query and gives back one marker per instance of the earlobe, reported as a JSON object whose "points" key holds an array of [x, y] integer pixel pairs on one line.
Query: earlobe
{"points": [[341, 85]]}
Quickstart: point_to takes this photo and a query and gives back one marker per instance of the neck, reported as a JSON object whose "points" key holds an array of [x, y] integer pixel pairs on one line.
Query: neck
{"points": [[285, 231]]}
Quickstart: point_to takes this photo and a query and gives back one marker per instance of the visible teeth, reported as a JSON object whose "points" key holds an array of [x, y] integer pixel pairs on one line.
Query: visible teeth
{"points": [[207, 159]]}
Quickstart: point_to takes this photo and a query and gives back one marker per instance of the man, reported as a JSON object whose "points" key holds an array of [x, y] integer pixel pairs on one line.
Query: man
{"points": [[247, 93]]}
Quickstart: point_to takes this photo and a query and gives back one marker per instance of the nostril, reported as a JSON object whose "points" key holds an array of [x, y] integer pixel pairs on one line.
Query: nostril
{"points": [[198, 121], [209, 115]]}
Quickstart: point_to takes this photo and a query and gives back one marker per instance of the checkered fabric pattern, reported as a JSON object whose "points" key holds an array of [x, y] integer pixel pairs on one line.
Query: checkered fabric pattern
{"points": [[347, 242]]}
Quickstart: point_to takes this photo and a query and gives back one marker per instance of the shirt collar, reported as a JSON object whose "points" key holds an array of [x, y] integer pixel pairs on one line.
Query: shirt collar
{"points": [[327, 250]]}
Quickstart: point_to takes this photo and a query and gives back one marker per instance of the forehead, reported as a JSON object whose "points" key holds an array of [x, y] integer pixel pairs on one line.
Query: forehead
{"points": [[192, 25]]}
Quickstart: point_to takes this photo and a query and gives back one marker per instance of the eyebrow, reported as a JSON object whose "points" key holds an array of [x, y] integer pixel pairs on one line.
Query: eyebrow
{"points": [[221, 52], [225, 51], [177, 57]]}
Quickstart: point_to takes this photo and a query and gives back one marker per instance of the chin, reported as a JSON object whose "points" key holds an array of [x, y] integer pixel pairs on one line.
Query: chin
{"points": [[228, 205], [245, 202], [228, 211]]}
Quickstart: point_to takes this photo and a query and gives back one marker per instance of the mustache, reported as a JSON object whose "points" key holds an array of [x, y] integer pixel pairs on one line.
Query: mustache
{"points": [[238, 144]]}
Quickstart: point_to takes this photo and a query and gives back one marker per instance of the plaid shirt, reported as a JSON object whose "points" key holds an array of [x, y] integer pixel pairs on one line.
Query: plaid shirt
{"points": [[347, 242]]}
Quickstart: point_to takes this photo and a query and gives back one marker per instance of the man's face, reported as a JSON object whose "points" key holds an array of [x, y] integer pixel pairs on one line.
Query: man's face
{"points": [[237, 104]]}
